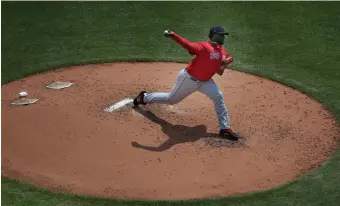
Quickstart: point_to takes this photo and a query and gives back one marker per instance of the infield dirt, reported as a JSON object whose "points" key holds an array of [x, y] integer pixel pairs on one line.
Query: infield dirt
{"points": [[67, 142]]}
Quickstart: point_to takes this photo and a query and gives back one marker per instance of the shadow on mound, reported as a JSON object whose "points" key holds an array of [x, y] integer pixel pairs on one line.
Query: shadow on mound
{"points": [[179, 134]]}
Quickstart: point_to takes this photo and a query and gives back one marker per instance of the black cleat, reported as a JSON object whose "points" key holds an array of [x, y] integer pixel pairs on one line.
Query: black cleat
{"points": [[139, 99], [229, 134]]}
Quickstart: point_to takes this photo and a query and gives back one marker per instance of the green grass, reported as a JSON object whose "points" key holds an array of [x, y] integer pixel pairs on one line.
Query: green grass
{"points": [[296, 43]]}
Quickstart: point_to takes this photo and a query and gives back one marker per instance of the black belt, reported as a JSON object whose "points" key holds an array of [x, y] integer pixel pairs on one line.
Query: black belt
{"points": [[192, 78]]}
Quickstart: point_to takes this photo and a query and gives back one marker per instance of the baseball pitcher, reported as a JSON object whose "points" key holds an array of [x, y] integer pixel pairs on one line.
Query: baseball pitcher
{"points": [[210, 58]]}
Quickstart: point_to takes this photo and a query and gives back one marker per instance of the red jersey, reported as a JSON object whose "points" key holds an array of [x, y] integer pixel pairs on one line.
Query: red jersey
{"points": [[208, 57]]}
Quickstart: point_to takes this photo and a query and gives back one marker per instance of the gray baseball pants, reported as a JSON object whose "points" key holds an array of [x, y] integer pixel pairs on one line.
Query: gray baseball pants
{"points": [[186, 85]]}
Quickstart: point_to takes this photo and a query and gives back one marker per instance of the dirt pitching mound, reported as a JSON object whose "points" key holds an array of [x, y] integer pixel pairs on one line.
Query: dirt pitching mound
{"points": [[67, 142]]}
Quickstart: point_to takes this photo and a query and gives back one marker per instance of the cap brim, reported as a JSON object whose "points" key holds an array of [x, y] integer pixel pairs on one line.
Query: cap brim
{"points": [[224, 33]]}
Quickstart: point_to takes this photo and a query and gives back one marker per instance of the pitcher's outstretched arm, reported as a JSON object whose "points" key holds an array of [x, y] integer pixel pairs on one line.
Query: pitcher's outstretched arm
{"points": [[192, 48]]}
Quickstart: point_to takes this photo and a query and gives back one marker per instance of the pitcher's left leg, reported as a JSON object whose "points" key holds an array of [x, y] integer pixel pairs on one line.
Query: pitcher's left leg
{"points": [[211, 90]]}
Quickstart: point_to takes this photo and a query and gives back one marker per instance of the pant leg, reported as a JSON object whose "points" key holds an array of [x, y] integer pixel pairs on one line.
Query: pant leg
{"points": [[184, 87], [211, 90]]}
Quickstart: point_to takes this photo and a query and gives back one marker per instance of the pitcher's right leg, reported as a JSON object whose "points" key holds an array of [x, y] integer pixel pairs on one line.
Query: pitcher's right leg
{"points": [[184, 87]]}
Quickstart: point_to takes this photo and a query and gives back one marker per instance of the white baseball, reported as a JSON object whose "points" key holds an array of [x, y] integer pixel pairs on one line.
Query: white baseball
{"points": [[166, 32], [23, 94]]}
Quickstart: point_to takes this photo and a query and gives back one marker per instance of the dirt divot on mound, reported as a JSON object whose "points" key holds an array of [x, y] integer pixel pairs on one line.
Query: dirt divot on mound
{"points": [[68, 143]]}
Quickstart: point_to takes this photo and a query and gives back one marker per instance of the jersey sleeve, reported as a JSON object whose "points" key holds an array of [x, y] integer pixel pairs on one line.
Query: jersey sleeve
{"points": [[192, 48]]}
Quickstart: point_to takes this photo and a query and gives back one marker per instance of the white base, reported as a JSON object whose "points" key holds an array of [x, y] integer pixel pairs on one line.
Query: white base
{"points": [[118, 105], [59, 85], [24, 101]]}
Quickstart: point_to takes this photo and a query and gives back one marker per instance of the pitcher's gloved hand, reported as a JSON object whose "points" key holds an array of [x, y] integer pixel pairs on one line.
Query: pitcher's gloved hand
{"points": [[227, 61], [167, 33]]}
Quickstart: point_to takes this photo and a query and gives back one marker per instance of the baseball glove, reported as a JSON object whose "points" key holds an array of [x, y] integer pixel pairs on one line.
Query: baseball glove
{"points": [[227, 63], [227, 60]]}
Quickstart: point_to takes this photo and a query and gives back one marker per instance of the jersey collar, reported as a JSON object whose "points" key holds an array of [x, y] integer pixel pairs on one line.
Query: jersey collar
{"points": [[214, 44]]}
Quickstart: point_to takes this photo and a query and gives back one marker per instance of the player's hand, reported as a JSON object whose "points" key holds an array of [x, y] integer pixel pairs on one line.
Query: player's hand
{"points": [[167, 33], [227, 61]]}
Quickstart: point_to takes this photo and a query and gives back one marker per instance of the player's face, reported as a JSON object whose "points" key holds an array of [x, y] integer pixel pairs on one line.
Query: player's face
{"points": [[218, 38]]}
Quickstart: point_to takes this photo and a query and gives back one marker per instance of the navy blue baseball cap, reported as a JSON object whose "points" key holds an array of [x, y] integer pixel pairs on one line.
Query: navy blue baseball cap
{"points": [[217, 30]]}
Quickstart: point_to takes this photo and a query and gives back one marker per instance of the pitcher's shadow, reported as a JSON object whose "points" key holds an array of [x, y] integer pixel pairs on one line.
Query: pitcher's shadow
{"points": [[177, 133]]}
